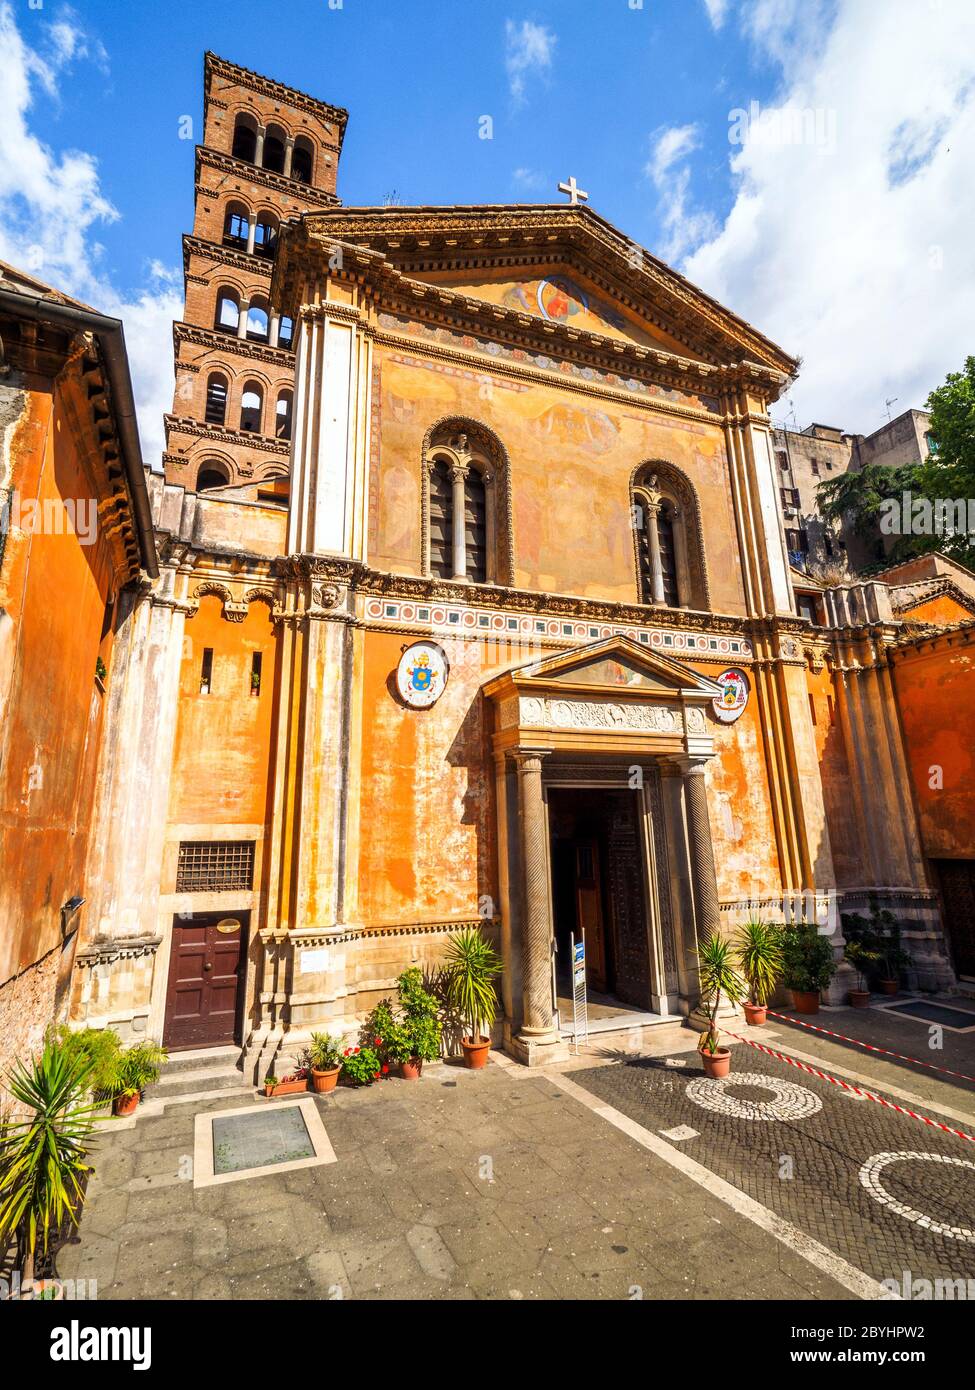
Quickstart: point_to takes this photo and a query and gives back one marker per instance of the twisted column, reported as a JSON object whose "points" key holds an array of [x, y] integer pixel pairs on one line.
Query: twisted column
{"points": [[702, 848], [536, 945]]}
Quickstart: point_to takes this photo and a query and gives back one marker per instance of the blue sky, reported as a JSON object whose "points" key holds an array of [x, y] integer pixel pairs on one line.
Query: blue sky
{"points": [[837, 217], [415, 78]]}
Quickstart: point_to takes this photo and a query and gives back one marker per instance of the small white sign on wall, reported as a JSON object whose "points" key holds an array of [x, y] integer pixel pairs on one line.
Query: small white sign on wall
{"points": [[311, 962]]}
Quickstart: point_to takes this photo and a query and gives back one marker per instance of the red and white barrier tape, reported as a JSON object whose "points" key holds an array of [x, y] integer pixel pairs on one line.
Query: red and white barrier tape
{"points": [[857, 1090], [901, 1056]]}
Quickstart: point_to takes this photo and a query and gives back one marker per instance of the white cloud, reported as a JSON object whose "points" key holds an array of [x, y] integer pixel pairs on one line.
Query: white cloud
{"points": [[528, 53], [531, 180], [717, 12], [51, 206], [671, 176], [849, 240]]}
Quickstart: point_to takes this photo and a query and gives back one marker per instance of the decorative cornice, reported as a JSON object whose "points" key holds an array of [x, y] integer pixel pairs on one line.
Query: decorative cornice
{"points": [[219, 434], [316, 198], [634, 278], [228, 342], [214, 66], [224, 255], [105, 949]]}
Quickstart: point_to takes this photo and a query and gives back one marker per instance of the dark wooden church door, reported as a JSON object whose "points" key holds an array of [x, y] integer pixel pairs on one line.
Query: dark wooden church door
{"points": [[957, 879], [206, 970]]}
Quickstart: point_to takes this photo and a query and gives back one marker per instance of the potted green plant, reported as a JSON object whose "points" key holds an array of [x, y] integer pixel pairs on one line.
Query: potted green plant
{"points": [[291, 1085], [325, 1061], [43, 1168], [472, 965], [361, 1066], [808, 965], [759, 957], [420, 1027], [100, 1049], [135, 1068], [862, 958], [717, 976]]}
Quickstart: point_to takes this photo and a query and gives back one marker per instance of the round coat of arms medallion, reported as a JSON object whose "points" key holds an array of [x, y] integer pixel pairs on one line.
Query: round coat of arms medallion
{"points": [[730, 704], [422, 674]]}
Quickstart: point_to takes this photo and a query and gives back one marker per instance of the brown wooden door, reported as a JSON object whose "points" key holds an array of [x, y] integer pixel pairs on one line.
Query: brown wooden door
{"points": [[206, 969], [957, 879], [589, 912]]}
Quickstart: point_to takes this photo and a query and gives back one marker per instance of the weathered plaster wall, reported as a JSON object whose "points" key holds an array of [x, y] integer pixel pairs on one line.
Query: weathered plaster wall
{"points": [[844, 834], [935, 689], [572, 456], [222, 757], [745, 856], [53, 592]]}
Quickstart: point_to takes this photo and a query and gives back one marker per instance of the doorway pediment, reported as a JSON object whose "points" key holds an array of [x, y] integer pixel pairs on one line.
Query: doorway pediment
{"points": [[611, 694]]}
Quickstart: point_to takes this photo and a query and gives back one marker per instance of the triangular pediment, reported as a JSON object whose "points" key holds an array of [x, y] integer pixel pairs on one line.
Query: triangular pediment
{"points": [[614, 666], [566, 267]]}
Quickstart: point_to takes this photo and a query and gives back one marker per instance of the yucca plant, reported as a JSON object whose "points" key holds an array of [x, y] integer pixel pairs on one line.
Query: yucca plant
{"points": [[717, 976], [472, 966], [760, 957], [42, 1158]]}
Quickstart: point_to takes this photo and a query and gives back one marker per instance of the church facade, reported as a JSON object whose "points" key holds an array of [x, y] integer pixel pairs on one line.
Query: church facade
{"points": [[509, 637]]}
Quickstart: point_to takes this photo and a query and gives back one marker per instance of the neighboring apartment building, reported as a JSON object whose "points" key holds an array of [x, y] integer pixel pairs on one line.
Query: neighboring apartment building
{"points": [[75, 543], [806, 458]]}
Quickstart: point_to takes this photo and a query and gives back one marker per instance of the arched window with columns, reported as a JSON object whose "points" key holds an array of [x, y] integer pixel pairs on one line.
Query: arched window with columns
{"points": [[670, 565], [466, 504]]}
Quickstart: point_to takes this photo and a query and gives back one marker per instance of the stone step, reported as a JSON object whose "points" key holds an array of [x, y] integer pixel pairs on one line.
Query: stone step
{"points": [[198, 1058], [193, 1082]]}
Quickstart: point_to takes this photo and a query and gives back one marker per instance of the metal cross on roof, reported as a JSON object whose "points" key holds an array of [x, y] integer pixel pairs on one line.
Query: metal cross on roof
{"points": [[576, 194]]}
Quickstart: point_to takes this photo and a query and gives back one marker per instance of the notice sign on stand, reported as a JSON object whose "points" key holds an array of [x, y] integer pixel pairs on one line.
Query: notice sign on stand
{"points": [[580, 1016]]}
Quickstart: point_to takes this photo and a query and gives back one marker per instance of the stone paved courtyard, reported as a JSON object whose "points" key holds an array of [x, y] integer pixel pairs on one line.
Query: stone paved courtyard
{"points": [[507, 1184]]}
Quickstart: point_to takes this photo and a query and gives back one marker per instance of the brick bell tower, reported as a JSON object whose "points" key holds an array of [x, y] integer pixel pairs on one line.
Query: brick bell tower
{"points": [[269, 153]]}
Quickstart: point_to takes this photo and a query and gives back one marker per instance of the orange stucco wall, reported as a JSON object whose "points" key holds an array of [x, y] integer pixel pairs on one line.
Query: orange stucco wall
{"points": [[936, 697], [222, 754], [53, 592], [943, 609], [572, 457]]}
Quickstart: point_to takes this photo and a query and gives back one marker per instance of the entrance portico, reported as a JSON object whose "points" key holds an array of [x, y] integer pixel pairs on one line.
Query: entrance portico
{"points": [[609, 714]]}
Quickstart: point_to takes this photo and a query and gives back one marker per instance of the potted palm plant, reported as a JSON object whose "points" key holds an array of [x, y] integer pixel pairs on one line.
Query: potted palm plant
{"points": [[136, 1068], [43, 1168], [808, 965], [759, 957], [471, 969], [324, 1061], [863, 959], [717, 976]]}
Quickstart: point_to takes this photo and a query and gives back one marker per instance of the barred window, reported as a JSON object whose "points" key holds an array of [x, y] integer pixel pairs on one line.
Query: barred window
{"points": [[215, 866]]}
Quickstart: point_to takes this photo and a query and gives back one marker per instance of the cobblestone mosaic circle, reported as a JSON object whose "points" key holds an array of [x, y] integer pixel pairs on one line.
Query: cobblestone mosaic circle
{"points": [[791, 1102], [870, 1179]]}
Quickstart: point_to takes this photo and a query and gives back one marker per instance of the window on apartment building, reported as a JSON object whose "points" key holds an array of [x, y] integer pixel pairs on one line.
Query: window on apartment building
{"points": [[783, 460], [256, 663], [806, 605], [206, 671], [828, 544], [815, 468], [790, 496], [215, 866], [829, 466]]}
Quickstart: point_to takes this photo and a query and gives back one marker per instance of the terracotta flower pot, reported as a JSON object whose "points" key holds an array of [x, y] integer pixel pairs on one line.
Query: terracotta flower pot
{"points": [[126, 1105], [859, 998], [756, 1014], [716, 1064], [325, 1080], [287, 1088], [475, 1053], [411, 1070], [890, 986], [805, 1001]]}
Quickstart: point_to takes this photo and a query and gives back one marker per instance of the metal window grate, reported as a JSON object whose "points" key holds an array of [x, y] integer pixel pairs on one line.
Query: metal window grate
{"points": [[214, 866]]}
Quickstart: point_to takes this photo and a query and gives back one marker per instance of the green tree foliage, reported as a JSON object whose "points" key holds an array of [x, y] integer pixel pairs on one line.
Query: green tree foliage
{"points": [[947, 474]]}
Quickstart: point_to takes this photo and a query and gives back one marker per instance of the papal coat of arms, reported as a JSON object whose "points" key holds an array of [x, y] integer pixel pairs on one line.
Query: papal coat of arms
{"points": [[421, 674]]}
